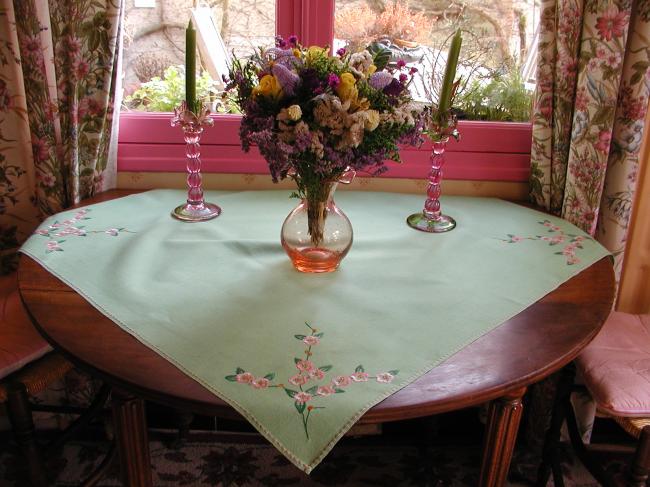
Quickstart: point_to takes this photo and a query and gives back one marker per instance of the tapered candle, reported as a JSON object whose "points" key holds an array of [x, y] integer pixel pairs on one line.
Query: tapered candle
{"points": [[190, 67], [444, 100]]}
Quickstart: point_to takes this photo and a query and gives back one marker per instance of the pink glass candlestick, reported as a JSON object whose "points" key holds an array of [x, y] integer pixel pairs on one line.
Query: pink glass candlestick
{"points": [[196, 209], [431, 218]]}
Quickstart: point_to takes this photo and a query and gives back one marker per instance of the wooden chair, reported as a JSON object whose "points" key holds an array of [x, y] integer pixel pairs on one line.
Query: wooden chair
{"points": [[615, 368], [27, 367]]}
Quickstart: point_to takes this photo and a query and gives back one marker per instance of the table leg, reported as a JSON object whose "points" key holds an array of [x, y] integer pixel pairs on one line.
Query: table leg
{"points": [[501, 431], [132, 440]]}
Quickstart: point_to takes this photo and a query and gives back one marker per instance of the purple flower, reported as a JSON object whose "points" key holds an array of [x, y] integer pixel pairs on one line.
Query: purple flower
{"points": [[401, 63], [282, 56], [341, 52], [403, 78], [280, 42], [333, 80], [310, 81], [395, 88], [380, 80], [287, 78], [293, 40], [413, 70]]}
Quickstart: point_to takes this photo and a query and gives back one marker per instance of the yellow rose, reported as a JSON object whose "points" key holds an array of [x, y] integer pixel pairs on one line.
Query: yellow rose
{"points": [[315, 52], [371, 69], [269, 86], [347, 89]]}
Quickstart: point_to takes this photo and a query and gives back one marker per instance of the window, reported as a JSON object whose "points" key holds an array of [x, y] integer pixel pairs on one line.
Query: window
{"points": [[488, 151]]}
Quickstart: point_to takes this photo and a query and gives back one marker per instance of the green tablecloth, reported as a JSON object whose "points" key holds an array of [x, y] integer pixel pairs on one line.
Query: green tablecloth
{"points": [[304, 356]]}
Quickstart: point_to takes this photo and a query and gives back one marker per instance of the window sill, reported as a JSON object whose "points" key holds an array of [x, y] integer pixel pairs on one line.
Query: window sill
{"points": [[488, 151]]}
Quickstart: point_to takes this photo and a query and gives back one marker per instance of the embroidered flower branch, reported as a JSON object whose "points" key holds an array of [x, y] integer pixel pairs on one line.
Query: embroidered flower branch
{"points": [[71, 227], [304, 395], [571, 243]]}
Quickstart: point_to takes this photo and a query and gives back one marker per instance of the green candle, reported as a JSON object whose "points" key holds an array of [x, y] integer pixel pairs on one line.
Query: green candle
{"points": [[190, 67], [444, 101]]}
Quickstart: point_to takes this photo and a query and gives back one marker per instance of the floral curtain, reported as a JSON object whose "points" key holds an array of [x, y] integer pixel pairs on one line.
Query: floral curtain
{"points": [[590, 106], [58, 82]]}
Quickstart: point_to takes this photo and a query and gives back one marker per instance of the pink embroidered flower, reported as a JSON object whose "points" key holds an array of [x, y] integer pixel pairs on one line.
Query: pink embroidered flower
{"points": [[305, 365], [261, 383], [48, 180], [569, 250], [601, 53], [516, 239], [299, 380], [555, 228], [341, 381], [325, 391], [317, 374], [612, 23], [245, 378], [311, 340], [385, 377], [579, 238], [53, 245], [360, 377], [113, 231], [302, 397], [42, 232], [573, 260]]}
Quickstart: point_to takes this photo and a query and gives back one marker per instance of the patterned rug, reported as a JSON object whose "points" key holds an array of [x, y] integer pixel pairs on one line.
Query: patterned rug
{"points": [[229, 460]]}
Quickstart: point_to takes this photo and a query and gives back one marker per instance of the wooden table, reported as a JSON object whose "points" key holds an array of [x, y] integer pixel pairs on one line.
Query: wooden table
{"points": [[498, 367]]}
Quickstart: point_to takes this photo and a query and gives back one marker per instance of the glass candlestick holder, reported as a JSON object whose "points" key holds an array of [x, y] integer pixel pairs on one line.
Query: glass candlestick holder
{"points": [[431, 219], [196, 209]]}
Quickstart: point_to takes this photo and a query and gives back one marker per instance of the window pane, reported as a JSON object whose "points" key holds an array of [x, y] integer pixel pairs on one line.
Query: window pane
{"points": [[497, 58], [154, 46]]}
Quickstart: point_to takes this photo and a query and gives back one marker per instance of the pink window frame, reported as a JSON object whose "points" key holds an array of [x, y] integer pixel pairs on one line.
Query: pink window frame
{"points": [[488, 151]]}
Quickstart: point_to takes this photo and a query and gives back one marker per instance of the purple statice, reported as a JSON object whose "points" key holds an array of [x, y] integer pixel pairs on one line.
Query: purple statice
{"points": [[287, 78], [413, 70], [380, 80], [341, 52], [401, 63], [276, 153], [333, 80], [280, 42], [293, 40], [403, 78], [394, 88]]}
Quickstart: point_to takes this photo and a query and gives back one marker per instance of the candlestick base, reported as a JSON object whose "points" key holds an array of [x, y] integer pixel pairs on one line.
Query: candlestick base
{"points": [[421, 222], [196, 213]]}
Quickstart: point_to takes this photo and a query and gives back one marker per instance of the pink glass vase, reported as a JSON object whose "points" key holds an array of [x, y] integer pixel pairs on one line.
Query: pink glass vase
{"points": [[431, 219], [196, 209], [317, 235]]}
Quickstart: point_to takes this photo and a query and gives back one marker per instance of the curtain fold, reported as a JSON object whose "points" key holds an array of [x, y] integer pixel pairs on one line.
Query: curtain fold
{"points": [[589, 112], [58, 85]]}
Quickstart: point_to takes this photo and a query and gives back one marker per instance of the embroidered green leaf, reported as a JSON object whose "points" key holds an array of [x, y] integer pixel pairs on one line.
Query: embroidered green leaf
{"points": [[300, 337], [338, 391], [325, 368], [393, 372], [231, 378], [291, 393], [300, 406], [240, 370], [270, 376], [319, 335], [312, 390], [359, 368], [296, 360]]}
